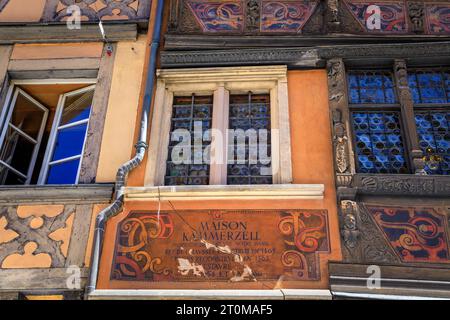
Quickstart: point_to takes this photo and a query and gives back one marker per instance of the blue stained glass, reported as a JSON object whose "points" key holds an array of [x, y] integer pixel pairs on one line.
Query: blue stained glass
{"points": [[63, 173], [390, 96], [433, 129], [353, 81], [429, 86], [371, 87], [412, 81], [429, 79], [379, 145], [69, 142], [354, 96]]}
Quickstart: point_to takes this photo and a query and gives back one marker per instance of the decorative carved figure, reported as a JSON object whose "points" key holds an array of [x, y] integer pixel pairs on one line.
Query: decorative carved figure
{"points": [[416, 15], [349, 232], [340, 142], [407, 103], [332, 12], [252, 15]]}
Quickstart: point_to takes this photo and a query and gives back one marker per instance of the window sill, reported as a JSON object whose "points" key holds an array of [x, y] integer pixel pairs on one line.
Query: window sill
{"points": [[55, 194], [221, 192]]}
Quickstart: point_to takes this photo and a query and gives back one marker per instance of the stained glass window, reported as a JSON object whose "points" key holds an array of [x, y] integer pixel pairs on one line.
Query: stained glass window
{"points": [[249, 156], [379, 144], [429, 86], [188, 157], [434, 139], [378, 135], [371, 87]]}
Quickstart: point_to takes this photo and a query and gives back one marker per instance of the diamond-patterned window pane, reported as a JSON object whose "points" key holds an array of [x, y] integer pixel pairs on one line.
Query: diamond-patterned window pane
{"points": [[433, 129], [189, 165], [250, 163], [378, 142], [371, 87]]}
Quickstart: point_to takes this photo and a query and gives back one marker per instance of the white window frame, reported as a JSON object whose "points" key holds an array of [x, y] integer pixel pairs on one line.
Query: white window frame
{"points": [[53, 81], [54, 132], [6, 121], [220, 82]]}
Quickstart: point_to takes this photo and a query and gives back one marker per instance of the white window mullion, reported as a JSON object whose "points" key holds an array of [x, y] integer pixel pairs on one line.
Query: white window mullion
{"points": [[73, 124], [64, 160]]}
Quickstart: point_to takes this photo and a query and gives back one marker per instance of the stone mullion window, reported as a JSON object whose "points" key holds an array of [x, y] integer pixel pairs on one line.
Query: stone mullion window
{"points": [[192, 114], [219, 84]]}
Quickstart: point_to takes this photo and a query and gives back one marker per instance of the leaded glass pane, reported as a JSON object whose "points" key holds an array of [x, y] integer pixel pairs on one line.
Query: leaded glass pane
{"points": [[249, 154], [188, 156], [371, 87], [434, 138], [429, 86], [378, 142]]}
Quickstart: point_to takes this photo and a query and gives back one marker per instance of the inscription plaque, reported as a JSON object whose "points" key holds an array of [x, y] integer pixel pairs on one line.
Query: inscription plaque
{"points": [[225, 246]]}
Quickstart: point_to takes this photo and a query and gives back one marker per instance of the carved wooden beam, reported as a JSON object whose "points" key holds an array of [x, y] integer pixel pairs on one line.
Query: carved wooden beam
{"points": [[407, 114], [174, 15], [338, 100]]}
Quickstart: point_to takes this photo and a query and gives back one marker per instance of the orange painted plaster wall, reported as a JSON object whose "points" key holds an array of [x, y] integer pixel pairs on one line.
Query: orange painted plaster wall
{"points": [[312, 164]]}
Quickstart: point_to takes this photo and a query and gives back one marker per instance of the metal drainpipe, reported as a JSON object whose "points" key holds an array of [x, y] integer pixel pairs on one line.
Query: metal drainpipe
{"points": [[126, 168]]}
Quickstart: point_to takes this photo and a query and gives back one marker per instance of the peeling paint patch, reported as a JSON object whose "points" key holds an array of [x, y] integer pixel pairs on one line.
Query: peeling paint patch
{"points": [[247, 273], [184, 267]]}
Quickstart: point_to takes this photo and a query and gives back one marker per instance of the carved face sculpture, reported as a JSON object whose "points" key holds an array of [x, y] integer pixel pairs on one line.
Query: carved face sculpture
{"points": [[350, 222]]}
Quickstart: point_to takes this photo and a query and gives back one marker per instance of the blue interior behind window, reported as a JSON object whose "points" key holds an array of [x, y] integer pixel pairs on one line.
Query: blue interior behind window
{"points": [[69, 142], [63, 173]]}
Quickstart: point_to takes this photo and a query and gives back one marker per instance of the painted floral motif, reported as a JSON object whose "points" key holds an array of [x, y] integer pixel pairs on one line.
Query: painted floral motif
{"points": [[438, 18], [286, 16], [306, 234], [218, 16], [416, 235], [392, 16], [132, 260]]}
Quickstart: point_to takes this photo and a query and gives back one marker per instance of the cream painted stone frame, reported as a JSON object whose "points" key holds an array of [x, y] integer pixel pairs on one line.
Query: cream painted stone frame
{"points": [[220, 82]]}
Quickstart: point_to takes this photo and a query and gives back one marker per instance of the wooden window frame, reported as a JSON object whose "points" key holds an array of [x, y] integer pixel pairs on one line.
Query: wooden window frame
{"points": [[56, 127], [377, 107], [220, 82], [13, 88], [407, 110]]}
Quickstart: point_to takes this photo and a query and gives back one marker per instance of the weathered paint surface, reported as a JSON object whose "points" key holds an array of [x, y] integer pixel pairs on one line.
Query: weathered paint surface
{"points": [[118, 135]]}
